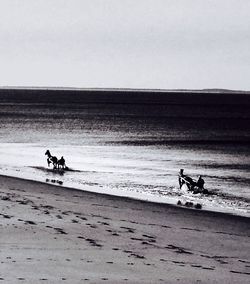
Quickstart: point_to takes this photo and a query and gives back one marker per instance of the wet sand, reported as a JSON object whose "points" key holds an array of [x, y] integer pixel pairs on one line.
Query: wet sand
{"points": [[52, 234]]}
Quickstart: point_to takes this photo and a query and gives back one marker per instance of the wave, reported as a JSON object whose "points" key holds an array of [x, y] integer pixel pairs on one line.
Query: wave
{"points": [[149, 142]]}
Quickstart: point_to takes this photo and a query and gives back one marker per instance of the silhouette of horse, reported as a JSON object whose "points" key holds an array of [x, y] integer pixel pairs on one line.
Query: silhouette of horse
{"points": [[51, 159]]}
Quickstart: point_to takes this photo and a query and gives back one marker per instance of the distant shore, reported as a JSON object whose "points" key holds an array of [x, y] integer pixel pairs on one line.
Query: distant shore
{"points": [[122, 96], [57, 234]]}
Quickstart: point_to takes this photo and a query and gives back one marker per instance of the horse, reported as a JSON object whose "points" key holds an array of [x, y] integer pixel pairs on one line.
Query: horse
{"points": [[51, 159], [188, 181]]}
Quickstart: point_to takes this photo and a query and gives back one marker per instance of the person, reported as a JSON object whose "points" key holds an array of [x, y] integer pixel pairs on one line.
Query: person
{"points": [[61, 162], [200, 182]]}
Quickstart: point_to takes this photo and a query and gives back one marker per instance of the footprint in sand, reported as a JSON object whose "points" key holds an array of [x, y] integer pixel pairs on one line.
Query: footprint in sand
{"points": [[136, 239], [128, 251], [83, 218], [35, 207], [133, 222], [129, 230], [24, 202], [196, 265], [103, 223], [167, 227], [178, 262], [239, 272], [222, 261], [207, 268], [93, 243], [6, 216], [178, 249], [47, 207], [30, 222], [137, 255], [5, 198], [93, 226], [106, 218], [60, 231]]}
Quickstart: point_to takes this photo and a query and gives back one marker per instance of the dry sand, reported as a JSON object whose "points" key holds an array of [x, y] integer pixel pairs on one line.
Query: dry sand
{"points": [[52, 234]]}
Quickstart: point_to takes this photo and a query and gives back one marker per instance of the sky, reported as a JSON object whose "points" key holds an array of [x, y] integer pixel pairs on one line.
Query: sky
{"points": [[153, 44]]}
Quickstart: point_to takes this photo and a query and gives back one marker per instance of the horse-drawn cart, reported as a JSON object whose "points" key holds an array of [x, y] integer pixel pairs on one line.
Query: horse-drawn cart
{"points": [[195, 186], [57, 163]]}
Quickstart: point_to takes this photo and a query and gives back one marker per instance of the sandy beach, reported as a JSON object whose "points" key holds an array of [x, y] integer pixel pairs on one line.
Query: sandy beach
{"points": [[52, 234]]}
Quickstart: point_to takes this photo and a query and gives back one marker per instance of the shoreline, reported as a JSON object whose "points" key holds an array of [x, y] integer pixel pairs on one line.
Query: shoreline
{"points": [[127, 198]]}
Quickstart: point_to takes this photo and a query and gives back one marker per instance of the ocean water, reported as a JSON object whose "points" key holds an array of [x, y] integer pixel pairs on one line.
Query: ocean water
{"points": [[132, 149]]}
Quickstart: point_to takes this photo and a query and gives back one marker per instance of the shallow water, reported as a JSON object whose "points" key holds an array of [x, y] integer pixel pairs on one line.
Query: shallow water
{"points": [[133, 150]]}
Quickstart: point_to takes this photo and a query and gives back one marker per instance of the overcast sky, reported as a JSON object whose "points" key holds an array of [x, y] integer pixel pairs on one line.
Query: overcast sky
{"points": [[125, 43]]}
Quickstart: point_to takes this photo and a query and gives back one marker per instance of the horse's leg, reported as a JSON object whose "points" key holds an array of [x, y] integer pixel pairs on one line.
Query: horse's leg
{"points": [[179, 182], [54, 164]]}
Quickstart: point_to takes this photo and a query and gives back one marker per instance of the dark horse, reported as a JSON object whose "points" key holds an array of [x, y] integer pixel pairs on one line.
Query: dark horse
{"points": [[51, 159]]}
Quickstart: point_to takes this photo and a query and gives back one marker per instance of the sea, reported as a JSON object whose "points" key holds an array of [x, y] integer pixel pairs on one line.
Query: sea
{"points": [[131, 143]]}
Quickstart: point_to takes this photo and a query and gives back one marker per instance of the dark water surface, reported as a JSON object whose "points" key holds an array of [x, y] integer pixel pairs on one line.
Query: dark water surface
{"points": [[130, 146]]}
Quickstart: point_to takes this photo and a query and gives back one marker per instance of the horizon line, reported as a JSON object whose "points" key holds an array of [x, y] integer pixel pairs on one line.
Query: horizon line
{"points": [[205, 90]]}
